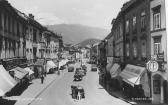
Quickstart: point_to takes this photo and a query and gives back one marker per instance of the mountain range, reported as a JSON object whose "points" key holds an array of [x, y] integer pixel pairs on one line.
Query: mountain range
{"points": [[76, 33]]}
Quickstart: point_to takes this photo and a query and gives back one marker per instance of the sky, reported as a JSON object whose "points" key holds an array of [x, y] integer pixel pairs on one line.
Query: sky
{"points": [[96, 13]]}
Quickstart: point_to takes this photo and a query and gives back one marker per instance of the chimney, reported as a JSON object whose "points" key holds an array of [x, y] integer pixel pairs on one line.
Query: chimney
{"points": [[31, 16]]}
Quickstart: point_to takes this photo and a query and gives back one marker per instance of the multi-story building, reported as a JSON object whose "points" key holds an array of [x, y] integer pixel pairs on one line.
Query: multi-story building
{"points": [[136, 34], [12, 31], [109, 48], [137, 31], [118, 42], [159, 49]]}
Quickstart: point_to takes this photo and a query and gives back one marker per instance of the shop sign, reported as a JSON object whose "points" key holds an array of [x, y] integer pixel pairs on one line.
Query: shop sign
{"points": [[160, 57], [152, 66]]}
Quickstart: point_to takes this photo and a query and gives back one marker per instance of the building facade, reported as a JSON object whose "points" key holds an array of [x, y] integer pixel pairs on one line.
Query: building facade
{"points": [[12, 31], [118, 41], [159, 50], [137, 31]]}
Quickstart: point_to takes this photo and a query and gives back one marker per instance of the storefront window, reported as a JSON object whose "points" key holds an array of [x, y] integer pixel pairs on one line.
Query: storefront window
{"points": [[156, 86]]}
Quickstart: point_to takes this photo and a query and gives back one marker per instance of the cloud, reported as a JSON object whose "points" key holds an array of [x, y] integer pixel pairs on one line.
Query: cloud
{"points": [[43, 17], [49, 19]]}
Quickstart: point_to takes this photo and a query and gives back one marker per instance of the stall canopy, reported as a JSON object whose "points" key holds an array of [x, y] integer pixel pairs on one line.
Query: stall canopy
{"points": [[6, 81], [19, 73], [29, 70], [50, 64], [136, 75], [115, 71]]}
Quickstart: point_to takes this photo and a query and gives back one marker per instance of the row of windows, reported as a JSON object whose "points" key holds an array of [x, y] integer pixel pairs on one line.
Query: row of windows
{"points": [[135, 49], [156, 21], [10, 24], [156, 48], [118, 32], [134, 22]]}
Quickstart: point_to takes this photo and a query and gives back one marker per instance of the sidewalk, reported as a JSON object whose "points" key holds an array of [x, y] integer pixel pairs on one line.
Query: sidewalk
{"points": [[120, 95], [35, 89]]}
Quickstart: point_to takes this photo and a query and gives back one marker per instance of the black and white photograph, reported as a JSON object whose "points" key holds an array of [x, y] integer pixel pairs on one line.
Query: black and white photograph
{"points": [[83, 52]]}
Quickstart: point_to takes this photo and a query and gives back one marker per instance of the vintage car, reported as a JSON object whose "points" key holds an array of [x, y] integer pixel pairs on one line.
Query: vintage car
{"points": [[93, 67], [76, 90], [70, 69], [80, 72], [77, 77]]}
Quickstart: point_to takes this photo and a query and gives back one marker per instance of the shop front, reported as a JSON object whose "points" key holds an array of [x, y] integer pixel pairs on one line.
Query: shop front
{"points": [[21, 76], [39, 68], [107, 75], [135, 81], [159, 87], [115, 78]]}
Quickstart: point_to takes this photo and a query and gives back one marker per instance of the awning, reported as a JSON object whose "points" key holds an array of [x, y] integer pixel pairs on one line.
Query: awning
{"points": [[136, 75], [6, 81], [115, 70], [29, 70], [50, 64], [132, 74], [19, 72], [109, 66]]}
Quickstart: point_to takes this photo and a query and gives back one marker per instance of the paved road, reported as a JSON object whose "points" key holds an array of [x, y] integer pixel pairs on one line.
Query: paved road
{"points": [[59, 92]]}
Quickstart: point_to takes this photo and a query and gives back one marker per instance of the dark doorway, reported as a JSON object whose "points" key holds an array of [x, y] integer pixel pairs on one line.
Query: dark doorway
{"points": [[165, 91]]}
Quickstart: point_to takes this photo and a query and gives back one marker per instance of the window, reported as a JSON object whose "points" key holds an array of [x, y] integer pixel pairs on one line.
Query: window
{"points": [[134, 22], [34, 35], [18, 33], [5, 21], [127, 26], [135, 49], [0, 19], [143, 22], [157, 45], [9, 24], [143, 49], [120, 30], [127, 50], [156, 18], [13, 26]]}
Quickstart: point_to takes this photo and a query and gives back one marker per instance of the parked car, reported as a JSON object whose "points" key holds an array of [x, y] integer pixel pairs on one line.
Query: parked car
{"points": [[76, 90], [71, 69], [62, 67], [77, 77], [80, 71], [94, 68]]}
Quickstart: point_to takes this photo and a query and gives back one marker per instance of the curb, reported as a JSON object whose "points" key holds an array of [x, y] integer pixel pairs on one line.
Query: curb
{"points": [[121, 98], [45, 88]]}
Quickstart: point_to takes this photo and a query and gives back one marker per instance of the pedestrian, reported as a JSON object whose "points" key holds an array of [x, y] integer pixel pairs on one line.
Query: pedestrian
{"points": [[42, 78], [79, 96]]}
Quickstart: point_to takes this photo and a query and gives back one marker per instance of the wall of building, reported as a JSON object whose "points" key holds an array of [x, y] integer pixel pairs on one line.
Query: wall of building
{"points": [[140, 36]]}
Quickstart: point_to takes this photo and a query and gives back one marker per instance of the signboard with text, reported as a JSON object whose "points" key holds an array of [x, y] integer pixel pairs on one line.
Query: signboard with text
{"points": [[152, 66]]}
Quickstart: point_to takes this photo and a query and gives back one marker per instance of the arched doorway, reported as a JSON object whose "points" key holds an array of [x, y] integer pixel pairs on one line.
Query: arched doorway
{"points": [[159, 89]]}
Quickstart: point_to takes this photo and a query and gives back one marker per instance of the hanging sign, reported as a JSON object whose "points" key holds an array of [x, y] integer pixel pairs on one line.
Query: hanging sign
{"points": [[152, 66]]}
